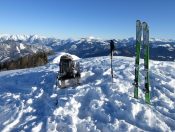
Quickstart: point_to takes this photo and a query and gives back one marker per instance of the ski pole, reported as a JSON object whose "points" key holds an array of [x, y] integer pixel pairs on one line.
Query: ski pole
{"points": [[111, 51]]}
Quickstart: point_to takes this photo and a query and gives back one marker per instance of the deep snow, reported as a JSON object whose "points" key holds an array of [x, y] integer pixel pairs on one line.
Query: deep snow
{"points": [[30, 101]]}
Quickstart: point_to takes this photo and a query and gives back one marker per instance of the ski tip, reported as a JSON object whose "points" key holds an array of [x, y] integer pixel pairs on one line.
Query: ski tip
{"points": [[144, 24], [138, 22]]}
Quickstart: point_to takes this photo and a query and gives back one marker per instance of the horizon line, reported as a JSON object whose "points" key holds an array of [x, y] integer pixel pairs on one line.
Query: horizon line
{"points": [[75, 38]]}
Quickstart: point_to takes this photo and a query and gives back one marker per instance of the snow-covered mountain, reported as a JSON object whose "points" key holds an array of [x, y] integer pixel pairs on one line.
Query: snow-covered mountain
{"points": [[160, 49], [30, 39], [13, 50], [30, 100]]}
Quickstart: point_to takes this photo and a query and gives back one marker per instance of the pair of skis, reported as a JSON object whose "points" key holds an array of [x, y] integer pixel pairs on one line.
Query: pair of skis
{"points": [[139, 28]]}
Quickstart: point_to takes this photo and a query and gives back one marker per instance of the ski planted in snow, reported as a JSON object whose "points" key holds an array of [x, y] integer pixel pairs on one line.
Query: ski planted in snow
{"points": [[146, 60], [137, 60]]}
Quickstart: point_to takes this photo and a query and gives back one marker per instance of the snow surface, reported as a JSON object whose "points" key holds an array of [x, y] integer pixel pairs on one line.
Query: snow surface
{"points": [[30, 101]]}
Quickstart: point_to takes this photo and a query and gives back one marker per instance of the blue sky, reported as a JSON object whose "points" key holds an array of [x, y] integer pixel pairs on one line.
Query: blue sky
{"points": [[82, 18]]}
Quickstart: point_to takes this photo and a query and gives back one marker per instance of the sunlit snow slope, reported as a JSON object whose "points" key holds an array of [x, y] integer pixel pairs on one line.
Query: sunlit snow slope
{"points": [[29, 99]]}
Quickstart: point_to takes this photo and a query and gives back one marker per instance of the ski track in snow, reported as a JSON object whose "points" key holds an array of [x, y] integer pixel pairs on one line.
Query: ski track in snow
{"points": [[30, 101]]}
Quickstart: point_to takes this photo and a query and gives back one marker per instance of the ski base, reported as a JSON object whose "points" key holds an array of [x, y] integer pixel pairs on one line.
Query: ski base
{"points": [[136, 92], [147, 98]]}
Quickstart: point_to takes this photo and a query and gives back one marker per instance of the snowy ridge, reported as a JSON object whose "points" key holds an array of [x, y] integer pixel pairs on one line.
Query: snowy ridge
{"points": [[95, 105]]}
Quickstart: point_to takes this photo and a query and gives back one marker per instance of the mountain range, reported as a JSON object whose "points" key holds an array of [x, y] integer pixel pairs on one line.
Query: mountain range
{"points": [[160, 49]]}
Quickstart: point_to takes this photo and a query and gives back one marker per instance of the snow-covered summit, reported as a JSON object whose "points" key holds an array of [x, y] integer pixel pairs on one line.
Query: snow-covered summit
{"points": [[30, 39], [30, 100]]}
